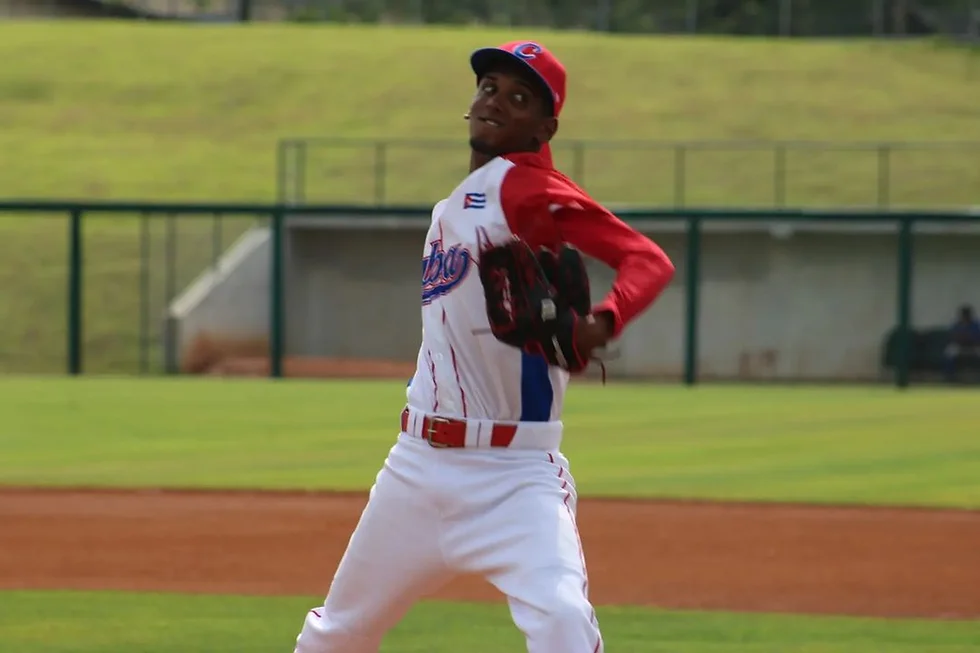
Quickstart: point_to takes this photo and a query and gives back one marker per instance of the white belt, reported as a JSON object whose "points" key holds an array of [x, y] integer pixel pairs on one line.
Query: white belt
{"points": [[446, 432]]}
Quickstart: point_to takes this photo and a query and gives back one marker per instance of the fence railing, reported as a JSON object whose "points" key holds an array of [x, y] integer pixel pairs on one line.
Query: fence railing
{"points": [[674, 174], [86, 284], [92, 249]]}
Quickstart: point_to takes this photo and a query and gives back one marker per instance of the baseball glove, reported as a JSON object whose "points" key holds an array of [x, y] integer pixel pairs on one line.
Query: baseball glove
{"points": [[536, 300]]}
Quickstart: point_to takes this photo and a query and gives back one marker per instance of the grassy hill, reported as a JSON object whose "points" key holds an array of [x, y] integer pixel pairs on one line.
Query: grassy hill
{"points": [[195, 112]]}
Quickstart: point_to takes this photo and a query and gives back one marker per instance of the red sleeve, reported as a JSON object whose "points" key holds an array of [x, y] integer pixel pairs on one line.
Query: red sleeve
{"points": [[525, 207], [545, 210]]}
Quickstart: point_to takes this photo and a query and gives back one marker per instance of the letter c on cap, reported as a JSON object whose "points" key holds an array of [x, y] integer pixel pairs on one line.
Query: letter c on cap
{"points": [[527, 51]]}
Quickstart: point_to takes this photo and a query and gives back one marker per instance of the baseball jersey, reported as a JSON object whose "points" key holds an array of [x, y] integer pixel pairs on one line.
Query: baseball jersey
{"points": [[463, 371]]}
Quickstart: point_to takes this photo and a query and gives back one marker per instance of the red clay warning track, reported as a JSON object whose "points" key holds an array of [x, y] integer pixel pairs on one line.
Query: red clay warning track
{"points": [[776, 558]]}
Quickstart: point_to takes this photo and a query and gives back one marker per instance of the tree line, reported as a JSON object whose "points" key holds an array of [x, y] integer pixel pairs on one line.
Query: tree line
{"points": [[749, 17]]}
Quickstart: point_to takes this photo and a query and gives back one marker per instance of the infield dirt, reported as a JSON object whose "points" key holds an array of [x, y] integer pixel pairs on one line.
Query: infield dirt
{"points": [[773, 558]]}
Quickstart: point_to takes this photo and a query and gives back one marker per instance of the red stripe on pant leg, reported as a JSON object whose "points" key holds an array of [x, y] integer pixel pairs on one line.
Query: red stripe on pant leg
{"points": [[581, 550]]}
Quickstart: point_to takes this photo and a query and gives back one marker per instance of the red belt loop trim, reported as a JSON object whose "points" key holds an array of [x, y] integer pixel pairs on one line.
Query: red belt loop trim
{"points": [[502, 435]]}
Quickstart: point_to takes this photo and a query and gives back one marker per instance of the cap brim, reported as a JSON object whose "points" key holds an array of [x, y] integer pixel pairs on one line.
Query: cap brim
{"points": [[485, 60]]}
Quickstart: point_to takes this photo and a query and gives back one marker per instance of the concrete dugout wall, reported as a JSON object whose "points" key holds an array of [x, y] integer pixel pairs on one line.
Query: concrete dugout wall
{"points": [[813, 303]]}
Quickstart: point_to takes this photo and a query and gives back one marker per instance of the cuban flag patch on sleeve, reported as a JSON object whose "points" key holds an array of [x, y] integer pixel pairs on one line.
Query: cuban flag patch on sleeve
{"points": [[475, 201]]}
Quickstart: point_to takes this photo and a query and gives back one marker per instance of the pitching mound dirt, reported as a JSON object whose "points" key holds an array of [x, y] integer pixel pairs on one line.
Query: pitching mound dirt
{"points": [[778, 558]]}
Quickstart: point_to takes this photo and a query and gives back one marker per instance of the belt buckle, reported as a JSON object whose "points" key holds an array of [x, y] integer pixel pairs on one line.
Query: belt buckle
{"points": [[431, 430]]}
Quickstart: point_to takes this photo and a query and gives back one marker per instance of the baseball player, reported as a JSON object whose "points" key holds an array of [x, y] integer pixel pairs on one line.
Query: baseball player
{"points": [[476, 482]]}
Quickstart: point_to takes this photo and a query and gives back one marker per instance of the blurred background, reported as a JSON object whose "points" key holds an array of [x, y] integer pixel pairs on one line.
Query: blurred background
{"points": [[813, 168], [770, 17], [193, 191]]}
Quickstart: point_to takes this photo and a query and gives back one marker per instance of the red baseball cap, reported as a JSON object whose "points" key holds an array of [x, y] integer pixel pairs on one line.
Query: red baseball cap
{"points": [[534, 56]]}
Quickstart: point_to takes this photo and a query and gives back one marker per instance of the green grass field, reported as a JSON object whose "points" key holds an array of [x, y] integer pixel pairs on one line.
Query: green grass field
{"points": [[833, 445], [92, 622], [837, 445]]}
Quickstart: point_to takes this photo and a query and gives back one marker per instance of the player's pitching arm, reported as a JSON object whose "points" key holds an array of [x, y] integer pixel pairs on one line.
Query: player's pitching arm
{"points": [[643, 269], [561, 212]]}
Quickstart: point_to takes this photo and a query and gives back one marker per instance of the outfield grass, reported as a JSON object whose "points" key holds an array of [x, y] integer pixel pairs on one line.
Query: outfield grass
{"points": [[840, 445], [194, 112], [829, 444], [93, 622]]}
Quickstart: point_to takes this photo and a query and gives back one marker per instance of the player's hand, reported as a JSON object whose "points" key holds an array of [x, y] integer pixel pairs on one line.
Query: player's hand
{"points": [[594, 332]]}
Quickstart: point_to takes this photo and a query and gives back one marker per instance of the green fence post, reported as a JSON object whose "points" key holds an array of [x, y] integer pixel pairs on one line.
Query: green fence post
{"points": [[884, 176], [779, 177], [145, 290], [904, 301], [282, 172], [276, 304], [680, 174], [579, 163], [380, 172], [170, 278], [302, 163], [75, 292], [693, 288]]}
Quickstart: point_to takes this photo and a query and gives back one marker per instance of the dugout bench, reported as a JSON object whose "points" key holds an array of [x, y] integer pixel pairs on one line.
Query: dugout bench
{"points": [[927, 356]]}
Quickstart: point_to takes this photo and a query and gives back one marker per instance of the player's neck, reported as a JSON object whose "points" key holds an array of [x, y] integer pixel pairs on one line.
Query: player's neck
{"points": [[478, 160]]}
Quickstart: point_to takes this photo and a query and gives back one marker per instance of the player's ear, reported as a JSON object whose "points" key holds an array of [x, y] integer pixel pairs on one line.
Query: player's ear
{"points": [[547, 130]]}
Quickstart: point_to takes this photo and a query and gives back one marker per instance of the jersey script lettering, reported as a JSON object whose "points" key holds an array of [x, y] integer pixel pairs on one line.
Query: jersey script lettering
{"points": [[443, 270]]}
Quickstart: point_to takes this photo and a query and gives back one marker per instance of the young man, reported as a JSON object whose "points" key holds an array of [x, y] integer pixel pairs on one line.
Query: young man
{"points": [[476, 482], [964, 343]]}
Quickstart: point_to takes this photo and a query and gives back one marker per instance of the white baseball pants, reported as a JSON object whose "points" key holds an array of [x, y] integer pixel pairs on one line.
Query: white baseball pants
{"points": [[508, 515]]}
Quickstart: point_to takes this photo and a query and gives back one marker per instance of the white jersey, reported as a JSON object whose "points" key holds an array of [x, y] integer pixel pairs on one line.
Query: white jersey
{"points": [[463, 371]]}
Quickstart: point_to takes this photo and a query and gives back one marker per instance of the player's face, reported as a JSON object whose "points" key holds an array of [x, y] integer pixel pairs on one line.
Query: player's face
{"points": [[508, 115]]}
